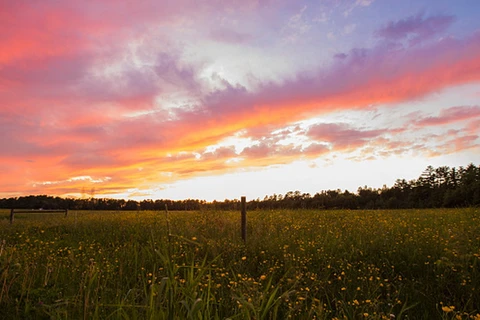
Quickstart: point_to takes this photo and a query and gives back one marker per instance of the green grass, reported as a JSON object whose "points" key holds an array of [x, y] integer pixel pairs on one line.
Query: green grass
{"points": [[415, 264]]}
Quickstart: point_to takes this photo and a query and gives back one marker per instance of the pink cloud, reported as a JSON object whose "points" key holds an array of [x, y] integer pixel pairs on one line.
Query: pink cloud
{"points": [[316, 149], [450, 115], [220, 153], [460, 143], [473, 127], [262, 150], [341, 136]]}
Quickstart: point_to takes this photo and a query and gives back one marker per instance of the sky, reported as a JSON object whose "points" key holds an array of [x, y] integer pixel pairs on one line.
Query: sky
{"points": [[215, 99]]}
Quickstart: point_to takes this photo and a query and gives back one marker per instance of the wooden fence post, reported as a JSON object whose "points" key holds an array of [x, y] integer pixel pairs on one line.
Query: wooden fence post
{"points": [[244, 219], [168, 223], [66, 213], [11, 216]]}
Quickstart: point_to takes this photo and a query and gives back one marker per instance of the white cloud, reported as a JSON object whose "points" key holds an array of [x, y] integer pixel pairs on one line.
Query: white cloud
{"points": [[297, 25], [358, 3], [364, 3]]}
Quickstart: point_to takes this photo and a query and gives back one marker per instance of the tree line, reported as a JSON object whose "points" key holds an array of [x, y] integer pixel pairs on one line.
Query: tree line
{"points": [[435, 188]]}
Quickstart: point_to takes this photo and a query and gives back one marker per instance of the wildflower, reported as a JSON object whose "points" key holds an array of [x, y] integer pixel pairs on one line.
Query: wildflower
{"points": [[244, 258], [263, 277], [194, 238], [448, 309]]}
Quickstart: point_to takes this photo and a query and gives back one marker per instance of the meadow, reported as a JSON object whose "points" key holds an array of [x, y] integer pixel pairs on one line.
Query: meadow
{"points": [[296, 264]]}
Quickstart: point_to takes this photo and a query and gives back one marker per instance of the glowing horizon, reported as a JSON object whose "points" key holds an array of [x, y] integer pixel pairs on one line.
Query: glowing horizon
{"points": [[213, 101]]}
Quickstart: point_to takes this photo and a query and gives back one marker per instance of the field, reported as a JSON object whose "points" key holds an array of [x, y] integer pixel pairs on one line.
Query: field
{"points": [[304, 264]]}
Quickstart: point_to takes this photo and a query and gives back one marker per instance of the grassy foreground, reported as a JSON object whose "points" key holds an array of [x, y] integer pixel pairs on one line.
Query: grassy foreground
{"points": [[415, 264]]}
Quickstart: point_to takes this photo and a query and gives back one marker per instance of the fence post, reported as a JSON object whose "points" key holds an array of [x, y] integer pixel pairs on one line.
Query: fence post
{"points": [[244, 219], [11, 216], [66, 213], [168, 223]]}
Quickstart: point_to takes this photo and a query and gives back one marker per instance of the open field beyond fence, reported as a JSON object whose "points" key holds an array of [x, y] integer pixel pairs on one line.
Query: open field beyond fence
{"points": [[424, 264]]}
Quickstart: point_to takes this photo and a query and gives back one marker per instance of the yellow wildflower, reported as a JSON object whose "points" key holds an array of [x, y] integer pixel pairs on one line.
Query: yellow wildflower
{"points": [[448, 309]]}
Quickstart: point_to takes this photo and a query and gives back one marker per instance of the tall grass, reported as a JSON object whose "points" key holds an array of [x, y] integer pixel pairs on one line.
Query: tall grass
{"points": [[415, 264]]}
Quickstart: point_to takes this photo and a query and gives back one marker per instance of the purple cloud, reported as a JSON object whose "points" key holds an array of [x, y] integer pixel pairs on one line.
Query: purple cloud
{"points": [[453, 114], [417, 27]]}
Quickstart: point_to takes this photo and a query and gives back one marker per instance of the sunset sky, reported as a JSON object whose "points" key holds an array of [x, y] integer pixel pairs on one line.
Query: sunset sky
{"points": [[181, 99]]}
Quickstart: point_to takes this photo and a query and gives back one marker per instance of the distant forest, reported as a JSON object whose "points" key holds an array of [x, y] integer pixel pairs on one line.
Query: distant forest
{"points": [[435, 188]]}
